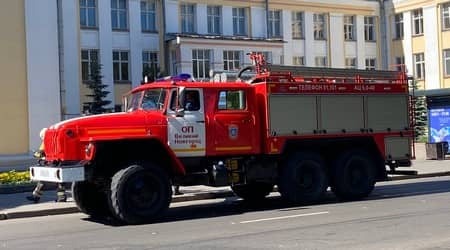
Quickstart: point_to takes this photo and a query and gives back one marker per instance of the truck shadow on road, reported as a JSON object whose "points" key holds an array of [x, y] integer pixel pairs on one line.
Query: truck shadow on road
{"points": [[235, 206]]}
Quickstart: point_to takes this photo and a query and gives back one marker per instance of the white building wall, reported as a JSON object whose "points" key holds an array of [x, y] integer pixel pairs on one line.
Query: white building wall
{"points": [[106, 47], [44, 107], [71, 57], [135, 41], [89, 39], [430, 26], [227, 20], [201, 19], [407, 44], [258, 22], [172, 16], [351, 49], [337, 40], [360, 42], [309, 39]]}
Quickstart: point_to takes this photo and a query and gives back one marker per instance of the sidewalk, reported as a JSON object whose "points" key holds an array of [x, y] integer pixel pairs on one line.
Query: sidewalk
{"points": [[15, 205]]}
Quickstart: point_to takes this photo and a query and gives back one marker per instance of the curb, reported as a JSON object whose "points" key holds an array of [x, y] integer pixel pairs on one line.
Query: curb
{"points": [[188, 197]]}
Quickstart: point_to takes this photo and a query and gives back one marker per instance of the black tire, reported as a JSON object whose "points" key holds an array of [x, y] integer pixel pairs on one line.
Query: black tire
{"points": [[354, 175], [253, 191], [90, 199], [303, 178], [140, 194]]}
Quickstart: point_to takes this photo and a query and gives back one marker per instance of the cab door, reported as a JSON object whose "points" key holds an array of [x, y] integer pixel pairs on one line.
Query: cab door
{"points": [[235, 126], [186, 127]]}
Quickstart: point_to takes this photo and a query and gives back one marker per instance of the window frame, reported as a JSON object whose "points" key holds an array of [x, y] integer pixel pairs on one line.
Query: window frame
{"points": [[399, 30], [298, 31], [419, 74], [371, 63], [417, 16], [349, 28], [118, 12], [242, 98], [275, 24], [298, 60], [121, 63], [320, 26], [149, 16], [204, 62], [400, 63], [187, 18], [84, 11], [150, 58], [231, 60], [89, 62], [214, 14], [445, 13], [321, 61], [446, 61], [240, 17], [350, 63], [370, 25]]}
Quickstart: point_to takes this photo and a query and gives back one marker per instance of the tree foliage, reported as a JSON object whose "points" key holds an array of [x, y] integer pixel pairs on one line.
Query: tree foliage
{"points": [[98, 92], [421, 115]]}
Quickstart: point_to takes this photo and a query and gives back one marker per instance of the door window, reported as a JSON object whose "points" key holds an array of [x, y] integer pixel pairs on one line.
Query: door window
{"points": [[231, 100]]}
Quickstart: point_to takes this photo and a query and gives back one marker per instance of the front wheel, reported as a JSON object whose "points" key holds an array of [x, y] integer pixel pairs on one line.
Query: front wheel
{"points": [[140, 194]]}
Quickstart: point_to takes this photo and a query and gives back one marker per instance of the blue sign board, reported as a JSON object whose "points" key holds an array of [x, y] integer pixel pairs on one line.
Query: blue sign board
{"points": [[439, 124]]}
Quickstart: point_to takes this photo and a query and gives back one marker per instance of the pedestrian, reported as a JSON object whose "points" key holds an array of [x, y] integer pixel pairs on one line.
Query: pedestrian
{"points": [[37, 192]]}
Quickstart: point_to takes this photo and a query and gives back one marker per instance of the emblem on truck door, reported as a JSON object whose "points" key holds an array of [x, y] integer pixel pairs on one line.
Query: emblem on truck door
{"points": [[233, 131]]}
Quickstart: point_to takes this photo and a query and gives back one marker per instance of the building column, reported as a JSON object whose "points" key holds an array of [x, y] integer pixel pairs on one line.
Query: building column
{"points": [[407, 42], [309, 39], [336, 40], [360, 43], [105, 38], [135, 43], [430, 26]]}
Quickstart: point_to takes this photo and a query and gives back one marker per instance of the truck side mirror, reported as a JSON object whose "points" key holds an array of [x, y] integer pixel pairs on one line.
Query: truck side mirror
{"points": [[179, 112]]}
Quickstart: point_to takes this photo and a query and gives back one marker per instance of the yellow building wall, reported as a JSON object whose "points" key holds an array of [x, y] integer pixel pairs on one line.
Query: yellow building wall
{"points": [[13, 84], [119, 90], [418, 44]]}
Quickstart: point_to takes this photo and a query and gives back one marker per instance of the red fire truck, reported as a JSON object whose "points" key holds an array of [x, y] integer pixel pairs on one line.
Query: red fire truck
{"points": [[302, 129]]}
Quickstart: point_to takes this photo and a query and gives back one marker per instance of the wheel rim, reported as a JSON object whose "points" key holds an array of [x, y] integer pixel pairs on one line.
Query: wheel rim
{"points": [[142, 192]]}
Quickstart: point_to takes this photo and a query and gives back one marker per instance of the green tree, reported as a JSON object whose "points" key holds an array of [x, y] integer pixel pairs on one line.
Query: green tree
{"points": [[421, 115], [98, 92]]}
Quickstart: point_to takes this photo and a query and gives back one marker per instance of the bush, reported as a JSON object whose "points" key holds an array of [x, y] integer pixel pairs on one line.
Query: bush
{"points": [[14, 177]]}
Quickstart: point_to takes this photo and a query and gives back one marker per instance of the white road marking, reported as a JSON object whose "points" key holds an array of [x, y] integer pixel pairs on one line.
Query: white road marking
{"points": [[283, 217]]}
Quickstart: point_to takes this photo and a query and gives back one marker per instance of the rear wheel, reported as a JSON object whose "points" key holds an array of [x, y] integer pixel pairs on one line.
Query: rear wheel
{"points": [[354, 175], [253, 191], [140, 194], [90, 199], [303, 178]]}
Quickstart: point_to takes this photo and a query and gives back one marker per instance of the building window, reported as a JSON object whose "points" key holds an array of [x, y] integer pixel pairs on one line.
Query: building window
{"points": [[88, 58], [274, 23], [214, 20], [187, 18], [148, 15], [240, 21], [419, 66], [447, 62], [446, 16], [417, 22], [119, 14], [350, 63], [88, 13], [232, 59], [319, 27], [121, 66], [297, 25], [321, 61], [201, 62], [349, 28], [371, 64], [400, 63], [398, 26], [298, 60], [150, 64], [369, 28]]}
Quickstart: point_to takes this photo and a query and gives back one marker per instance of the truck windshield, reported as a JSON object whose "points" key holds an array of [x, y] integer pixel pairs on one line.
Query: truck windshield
{"points": [[150, 99]]}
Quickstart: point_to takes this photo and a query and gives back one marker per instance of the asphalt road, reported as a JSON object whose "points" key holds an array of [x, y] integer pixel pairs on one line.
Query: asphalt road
{"points": [[411, 214]]}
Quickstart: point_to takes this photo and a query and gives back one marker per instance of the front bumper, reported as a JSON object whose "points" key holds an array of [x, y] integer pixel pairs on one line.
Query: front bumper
{"points": [[71, 173]]}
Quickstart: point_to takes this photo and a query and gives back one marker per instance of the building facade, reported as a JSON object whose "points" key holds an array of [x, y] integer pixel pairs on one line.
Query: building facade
{"points": [[52, 44]]}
